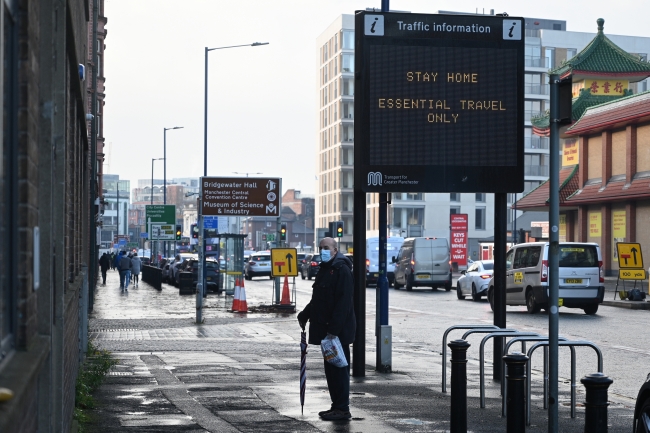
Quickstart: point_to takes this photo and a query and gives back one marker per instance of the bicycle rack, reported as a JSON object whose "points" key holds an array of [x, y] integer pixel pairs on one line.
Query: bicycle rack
{"points": [[444, 347], [482, 356], [504, 389], [572, 345]]}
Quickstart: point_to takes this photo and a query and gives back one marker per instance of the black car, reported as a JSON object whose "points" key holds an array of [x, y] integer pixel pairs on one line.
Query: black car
{"points": [[642, 409], [310, 266], [213, 275]]}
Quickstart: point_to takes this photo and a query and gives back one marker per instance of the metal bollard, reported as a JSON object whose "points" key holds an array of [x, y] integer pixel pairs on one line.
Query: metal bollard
{"points": [[515, 388], [596, 385], [458, 422]]}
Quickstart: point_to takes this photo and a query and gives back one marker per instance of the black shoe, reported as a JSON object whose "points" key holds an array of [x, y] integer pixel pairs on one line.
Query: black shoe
{"points": [[337, 414], [324, 412]]}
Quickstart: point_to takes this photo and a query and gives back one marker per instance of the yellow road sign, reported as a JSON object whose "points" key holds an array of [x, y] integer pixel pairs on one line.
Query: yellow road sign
{"points": [[629, 255], [284, 261], [631, 274]]}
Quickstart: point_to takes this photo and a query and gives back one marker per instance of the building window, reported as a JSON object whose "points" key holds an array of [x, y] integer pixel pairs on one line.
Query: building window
{"points": [[404, 217], [413, 196], [480, 197], [454, 210], [336, 42], [347, 63], [454, 196], [549, 53], [570, 53], [479, 218], [348, 110], [348, 87], [348, 40]]}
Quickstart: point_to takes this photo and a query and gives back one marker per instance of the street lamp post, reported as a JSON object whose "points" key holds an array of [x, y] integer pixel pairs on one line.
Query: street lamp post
{"points": [[201, 284], [149, 228], [165, 173]]}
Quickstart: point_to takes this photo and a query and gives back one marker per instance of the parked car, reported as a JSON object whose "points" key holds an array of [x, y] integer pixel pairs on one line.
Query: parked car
{"points": [[423, 262], [258, 265], [642, 409], [475, 280], [145, 260], [310, 266], [179, 261], [166, 273], [213, 275], [581, 277]]}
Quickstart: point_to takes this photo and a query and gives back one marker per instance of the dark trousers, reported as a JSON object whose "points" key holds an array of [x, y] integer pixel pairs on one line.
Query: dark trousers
{"points": [[104, 276], [338, 382]]}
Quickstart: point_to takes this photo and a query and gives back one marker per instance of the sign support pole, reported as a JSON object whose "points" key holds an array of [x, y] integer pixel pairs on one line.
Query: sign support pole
{"points": [[553, 253]]}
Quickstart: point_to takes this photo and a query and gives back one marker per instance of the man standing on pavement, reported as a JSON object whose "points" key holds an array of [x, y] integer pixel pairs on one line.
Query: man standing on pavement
{"points": [[136, 265], [331, 312], [125, 271], [104, 264]]}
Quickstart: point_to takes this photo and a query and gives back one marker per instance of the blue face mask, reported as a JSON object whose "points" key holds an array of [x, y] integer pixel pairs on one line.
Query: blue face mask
{"points": [[325, 255]]}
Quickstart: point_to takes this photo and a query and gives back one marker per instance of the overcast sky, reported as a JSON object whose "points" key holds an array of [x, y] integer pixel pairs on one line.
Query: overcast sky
{"points": [[262, 100]]}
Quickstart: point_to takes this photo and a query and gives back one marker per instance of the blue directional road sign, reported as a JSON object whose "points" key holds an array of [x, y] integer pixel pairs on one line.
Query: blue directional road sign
{"points": [[210, 222]]}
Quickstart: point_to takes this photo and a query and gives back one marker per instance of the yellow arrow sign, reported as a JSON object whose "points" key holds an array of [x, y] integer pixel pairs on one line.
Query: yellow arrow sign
{"points": [[629, 255], [284, 261]]}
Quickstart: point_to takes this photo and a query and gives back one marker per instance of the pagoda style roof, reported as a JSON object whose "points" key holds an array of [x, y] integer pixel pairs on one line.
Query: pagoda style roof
{"points": [[613, 114], [538, 199], [603, 58], [579, 106]]}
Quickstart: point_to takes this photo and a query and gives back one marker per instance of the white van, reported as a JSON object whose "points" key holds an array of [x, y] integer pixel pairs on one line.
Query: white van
{"points": [[393, 244], [423, 262], [581, 278]]}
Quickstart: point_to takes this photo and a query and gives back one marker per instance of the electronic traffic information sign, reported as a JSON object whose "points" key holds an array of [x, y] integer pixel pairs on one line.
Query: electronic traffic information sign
{"points": [[439, 102]]}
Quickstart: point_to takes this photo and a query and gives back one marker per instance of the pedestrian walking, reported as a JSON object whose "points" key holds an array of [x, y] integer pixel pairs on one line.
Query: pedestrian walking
{"points": [[116, 261], [104, 264], [136, 267], [125, 270], [330, 312]]}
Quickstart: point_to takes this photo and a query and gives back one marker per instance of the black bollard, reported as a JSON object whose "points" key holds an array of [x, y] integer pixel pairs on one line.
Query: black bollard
{"points": [[515, 386], [596, 385], [458, 422]]}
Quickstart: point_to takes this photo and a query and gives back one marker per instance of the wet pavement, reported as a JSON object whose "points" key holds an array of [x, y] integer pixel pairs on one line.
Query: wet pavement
{"points": [[239, 372]]}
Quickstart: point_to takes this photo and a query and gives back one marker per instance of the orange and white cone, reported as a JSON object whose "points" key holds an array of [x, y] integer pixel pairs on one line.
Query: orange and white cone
{"points": [[235, 301], [286, 297], [243, 306]]}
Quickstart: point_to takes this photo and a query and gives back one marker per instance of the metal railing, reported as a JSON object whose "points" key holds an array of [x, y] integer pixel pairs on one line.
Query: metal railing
{"points": [[152, 275], [536, 62], [572, 345], [536, 170], [536, 142], [481, 356], [504, 388], [444, 347], [536, 89]]}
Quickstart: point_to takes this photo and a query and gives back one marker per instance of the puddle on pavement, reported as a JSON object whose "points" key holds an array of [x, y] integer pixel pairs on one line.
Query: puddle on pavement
{"points": [[412, 421]]}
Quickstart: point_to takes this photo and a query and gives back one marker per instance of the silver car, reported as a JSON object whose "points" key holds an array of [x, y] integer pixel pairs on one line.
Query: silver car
{"points": [[259, 265], [475, 280]]}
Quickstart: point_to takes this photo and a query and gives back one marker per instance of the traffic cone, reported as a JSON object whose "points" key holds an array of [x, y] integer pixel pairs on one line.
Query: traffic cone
{"points": [[286, 298], [235, 301], [243, 306]]}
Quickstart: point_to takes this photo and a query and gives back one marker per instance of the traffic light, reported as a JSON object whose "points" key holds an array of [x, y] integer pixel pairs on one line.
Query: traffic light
{"points": [[283, 231], [339, 229], [179, 232], [195, 231]]}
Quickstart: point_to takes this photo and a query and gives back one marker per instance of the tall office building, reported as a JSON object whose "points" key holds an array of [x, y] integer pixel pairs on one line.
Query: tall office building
{"points": [[548, 44]]}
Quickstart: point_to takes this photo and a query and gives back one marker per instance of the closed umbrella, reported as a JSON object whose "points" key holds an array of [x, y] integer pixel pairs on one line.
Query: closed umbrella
{"points": [[303, 369]]}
